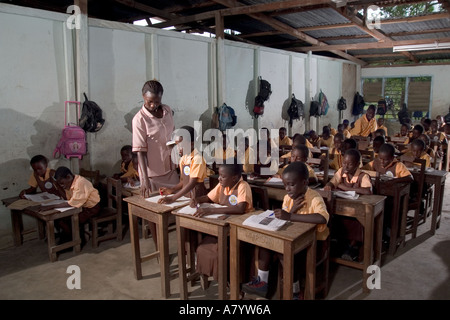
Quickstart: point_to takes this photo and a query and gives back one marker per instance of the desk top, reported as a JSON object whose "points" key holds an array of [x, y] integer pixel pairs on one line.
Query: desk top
{"points": [[371, 199], [151, 206], [215, 221], [43, 215], [290, 232]]}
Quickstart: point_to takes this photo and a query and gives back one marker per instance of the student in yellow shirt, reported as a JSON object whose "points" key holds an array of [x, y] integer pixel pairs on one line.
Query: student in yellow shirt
{"points": [[435, 134], [380, 125], [42, 178], [284, 140], [336, 153], [301, 204], [327, 138], [236, 195], [376, 145], [418, 150], [365, 125], [313, 138], [129, 166], [80, 193], [300, 153], [350, 178], [404, 131], [345, 132], [192, 172]]}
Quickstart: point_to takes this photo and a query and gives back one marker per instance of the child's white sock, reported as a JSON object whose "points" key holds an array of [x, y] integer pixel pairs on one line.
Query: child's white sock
{"points": [[263, 275], [296, 287]]}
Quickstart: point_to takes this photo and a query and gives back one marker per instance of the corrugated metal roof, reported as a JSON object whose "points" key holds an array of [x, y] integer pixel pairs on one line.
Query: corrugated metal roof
{"points": [[370, 51], [352, 41], [317, 17], [415, 26], [423, 36], [340, 32]]}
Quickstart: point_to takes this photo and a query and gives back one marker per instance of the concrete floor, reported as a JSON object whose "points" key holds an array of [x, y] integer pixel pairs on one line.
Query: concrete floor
{"points": [[420, 270]]}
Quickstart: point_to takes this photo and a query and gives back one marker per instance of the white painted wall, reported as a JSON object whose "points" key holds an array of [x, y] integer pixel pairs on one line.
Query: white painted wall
{"points": [[38, 75], [440, 82]]}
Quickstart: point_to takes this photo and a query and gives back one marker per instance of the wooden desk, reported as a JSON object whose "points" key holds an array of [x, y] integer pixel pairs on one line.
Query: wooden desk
{"points": [[368, 210], [287, 241], [159, 214], [128, 192], [215, 227], [48, 217], [399, 192], [436, 178]]}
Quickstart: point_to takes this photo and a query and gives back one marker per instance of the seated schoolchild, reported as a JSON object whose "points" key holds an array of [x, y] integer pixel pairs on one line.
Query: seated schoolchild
{"points": [[376, 144], [350, 178], [380, 125], [236, 195], [300, 153], [327, 138], [418, 150], [192, 171], [283, 139], [301, 204], [336, 154], [313, 138], [42, 178], [80, 193], [128, 167], [404, 131]]}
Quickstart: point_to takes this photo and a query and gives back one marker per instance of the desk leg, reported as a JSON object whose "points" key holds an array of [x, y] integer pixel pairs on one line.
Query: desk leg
{"points": [[288, 271], [394, 225], [17, 227], [134, 239], [163, 247], [310, 283], [368, 248], [51, 240], [75, 233], [223, 270], [181, 237], [41, 229], [379, 235], [437, 205], [234, 263]]}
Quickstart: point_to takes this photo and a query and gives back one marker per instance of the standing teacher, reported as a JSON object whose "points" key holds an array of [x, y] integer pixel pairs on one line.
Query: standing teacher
{"points": [[152, 128]]}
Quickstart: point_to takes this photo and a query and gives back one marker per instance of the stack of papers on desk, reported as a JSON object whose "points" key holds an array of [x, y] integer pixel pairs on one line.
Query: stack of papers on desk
{"points": [[42, 197], [274, 182], [347, 194], [192, 211], [265, 220], [179, 202], [137, 185]]}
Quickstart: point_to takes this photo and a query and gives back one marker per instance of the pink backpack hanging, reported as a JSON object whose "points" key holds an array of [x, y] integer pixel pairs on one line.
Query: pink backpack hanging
{"points": [[73, 139]]}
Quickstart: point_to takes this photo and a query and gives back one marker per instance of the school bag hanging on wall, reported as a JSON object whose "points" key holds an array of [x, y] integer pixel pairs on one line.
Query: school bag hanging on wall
{"points": [[323, 101], [314, 109], [91, 119], [342, 104], [73, 138], [227, 117], [358, 104], [295, 110], [265, 90]]}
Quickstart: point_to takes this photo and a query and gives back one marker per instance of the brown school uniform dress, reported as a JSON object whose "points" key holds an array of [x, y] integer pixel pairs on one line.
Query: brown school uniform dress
{"points": [[207, 250]]}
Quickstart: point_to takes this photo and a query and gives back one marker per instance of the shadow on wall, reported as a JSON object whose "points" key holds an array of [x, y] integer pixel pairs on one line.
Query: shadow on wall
{"points": [[443, 290], [129, 118], [250, 98]]}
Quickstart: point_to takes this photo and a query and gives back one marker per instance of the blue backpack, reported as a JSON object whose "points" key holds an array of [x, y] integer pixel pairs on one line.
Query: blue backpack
{"points": [[227, 117]]}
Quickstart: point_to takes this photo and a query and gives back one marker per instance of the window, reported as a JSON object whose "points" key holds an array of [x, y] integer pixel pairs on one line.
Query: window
{"points": [[414, 91]]}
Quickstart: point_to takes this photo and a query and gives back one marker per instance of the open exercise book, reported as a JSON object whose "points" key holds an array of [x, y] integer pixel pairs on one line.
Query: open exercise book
{"points": [[191, 211], [265, 220], [346, 194], [179, 202], [274, 182]]}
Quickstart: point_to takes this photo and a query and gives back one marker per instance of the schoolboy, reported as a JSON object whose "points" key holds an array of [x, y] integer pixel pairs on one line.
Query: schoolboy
{"points": [[336, 154], [236, 195], [284, 140], [128, 166], [42, 178], [380, 125], [365, 125], [327, 138], [418, 150], [301, 204], [350, 178], [300, 153], [192, 171]]}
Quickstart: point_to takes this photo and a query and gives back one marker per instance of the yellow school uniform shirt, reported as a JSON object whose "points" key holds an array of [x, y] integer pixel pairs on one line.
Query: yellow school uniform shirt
{"points": [[424, 156], [314, 204], [248, 167], [329, 143], [385, 130], [364, 127], [82, 193], [340, 176], [347, 134], [32, 181], [244, 193], [311, 172], [131, 171], [285, 142], [336, 162], [196, 163], [398, 168], [309, 144], [333, 131]]}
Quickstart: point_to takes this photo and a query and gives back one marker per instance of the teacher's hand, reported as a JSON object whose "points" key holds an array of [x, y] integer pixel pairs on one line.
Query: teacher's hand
{"points": [[145, 188]]}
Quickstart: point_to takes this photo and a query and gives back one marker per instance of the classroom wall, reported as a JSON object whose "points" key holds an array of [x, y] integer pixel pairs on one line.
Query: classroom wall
{"points": [[39, 67]]}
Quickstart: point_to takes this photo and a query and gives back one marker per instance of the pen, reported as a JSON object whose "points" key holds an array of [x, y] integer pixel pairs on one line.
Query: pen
{"points": [[271, 214]]}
